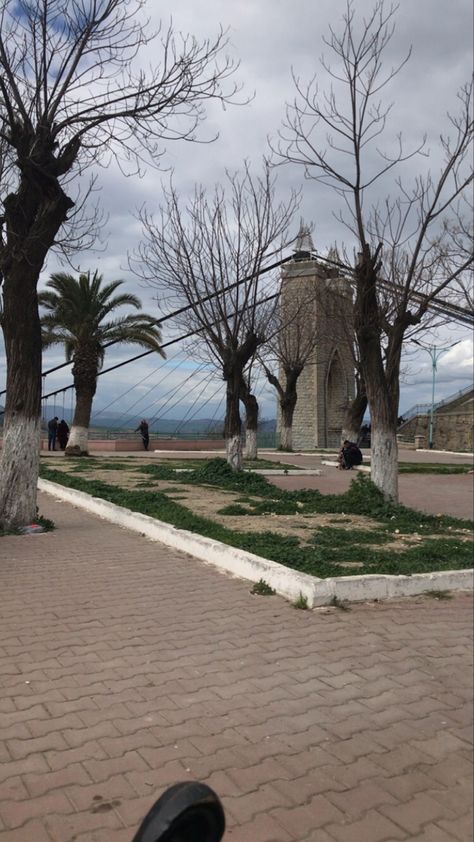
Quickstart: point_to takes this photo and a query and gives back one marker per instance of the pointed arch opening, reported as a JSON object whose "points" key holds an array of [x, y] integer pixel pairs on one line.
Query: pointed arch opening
{"points": [[336, 399]]}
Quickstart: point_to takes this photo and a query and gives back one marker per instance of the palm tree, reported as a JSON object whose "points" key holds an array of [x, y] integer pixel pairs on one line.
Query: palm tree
{"points": [[77, 316]]}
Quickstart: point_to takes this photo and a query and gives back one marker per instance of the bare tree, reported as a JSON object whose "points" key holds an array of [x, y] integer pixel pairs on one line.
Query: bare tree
{"points": [[72, 95], [411, 241], [195, 254], [289, 347]]}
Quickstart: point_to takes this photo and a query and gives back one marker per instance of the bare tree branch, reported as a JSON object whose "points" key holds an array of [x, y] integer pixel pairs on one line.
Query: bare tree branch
{"points": [[412, 247], [74, 92], [197, 251]]}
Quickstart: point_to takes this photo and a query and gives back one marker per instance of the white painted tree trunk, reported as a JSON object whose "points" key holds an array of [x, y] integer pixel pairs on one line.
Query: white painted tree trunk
{"points": [[251, 451], [19, 470], [78, 441], [384, 460], [234, 452], [286, 438]]}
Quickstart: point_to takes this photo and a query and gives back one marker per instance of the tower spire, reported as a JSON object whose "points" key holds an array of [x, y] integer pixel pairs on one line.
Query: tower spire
{"points": [[304, 246]]}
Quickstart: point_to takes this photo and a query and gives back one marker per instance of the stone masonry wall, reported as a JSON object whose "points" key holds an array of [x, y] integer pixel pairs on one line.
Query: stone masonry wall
{"points": [[451, 430], [327, 382]]}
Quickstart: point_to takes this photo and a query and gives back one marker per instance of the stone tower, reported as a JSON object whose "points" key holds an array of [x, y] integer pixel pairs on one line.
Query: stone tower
{"points": [[327, 383]]}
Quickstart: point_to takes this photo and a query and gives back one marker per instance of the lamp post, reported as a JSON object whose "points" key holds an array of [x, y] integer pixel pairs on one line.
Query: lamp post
{"points": [[435, 352]]}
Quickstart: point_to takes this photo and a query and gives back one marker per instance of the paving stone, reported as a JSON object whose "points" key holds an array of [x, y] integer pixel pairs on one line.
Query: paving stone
{"points": [[17, 813], [372, 828], [34, 830], [146, 667], [413, 814]]}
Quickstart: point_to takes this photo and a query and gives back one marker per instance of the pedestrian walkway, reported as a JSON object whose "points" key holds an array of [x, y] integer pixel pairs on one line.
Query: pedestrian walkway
{"points": [[126, 666]]}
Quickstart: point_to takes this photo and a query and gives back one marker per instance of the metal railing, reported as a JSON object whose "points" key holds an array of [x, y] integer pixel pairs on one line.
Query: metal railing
{"points": [[425, 408]]}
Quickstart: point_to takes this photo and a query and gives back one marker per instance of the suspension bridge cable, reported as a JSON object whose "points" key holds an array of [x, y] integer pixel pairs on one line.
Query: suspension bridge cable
{"points": [[219, 405], [131, 388], [441, 305], [172, 342], [191, 407], [176, 387], [161, 414], [165, 345], [171, 394], [184, 309], [197, 410], [154, 385]]}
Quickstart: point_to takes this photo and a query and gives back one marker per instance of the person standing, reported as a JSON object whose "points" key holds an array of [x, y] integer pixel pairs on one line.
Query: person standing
{"points": [[63, 434], [52, 432], [143, 429]]}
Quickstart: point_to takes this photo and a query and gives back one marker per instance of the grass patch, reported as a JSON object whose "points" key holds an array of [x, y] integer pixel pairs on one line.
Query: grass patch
{"points": [[262, 588], [301, 603], [436, 545], [339, 603], [434, 468], [329, 538], [47, 524], [233, 510]]}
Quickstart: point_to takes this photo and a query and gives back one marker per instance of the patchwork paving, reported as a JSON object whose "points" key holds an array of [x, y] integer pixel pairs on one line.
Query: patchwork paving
{"points": [[126, 666]]}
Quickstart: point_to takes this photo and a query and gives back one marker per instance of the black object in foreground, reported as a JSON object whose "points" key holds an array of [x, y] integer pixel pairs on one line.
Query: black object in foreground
{"points": [[186, 812]]}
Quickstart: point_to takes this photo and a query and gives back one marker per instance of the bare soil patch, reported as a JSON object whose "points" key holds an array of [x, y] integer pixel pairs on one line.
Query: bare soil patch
{"points": [[207, 502]]}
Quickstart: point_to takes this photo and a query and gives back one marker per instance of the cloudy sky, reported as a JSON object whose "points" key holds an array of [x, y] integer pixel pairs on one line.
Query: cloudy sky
{"points": [[270, 38]]}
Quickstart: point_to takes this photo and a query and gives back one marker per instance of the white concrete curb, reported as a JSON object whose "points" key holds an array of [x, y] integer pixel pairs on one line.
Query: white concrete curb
{"points": [[365, 469], [277, 472], [465, 453], [285, 581]]}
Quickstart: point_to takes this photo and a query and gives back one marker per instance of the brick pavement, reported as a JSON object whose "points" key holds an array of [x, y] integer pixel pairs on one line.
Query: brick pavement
{"points": [[126, 666]]}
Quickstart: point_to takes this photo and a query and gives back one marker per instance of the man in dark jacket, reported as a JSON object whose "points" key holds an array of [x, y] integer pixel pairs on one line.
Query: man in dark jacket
{"points": [[52, 432], [143, 428], [349, 455]]}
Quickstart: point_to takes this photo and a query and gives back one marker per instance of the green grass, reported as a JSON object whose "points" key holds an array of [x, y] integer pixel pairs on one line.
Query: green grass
{"points": [[301, 603], [47, 524], [328, 548], [262, 588], [434, 468]]}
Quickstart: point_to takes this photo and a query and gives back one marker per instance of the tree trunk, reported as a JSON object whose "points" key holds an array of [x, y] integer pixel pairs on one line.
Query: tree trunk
{"points": [[288, 398], [353, 418], [288, 401], [19, 470], [384, 458], [287, 412], [78, 437], [251, 421], [33, 216], [233, 423], [382, 385], [84, 371], [251, 449], [21, 431]]}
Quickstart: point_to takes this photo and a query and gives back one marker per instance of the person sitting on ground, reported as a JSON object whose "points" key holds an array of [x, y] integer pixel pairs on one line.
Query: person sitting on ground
{"points": [[349, 455]]}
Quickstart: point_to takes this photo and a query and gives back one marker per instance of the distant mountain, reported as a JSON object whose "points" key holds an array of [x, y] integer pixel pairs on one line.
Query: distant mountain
{"points": [[165, 426], [171, 426]]}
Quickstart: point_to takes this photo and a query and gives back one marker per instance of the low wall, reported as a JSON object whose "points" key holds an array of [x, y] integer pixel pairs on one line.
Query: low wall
{"points": [[451, 430], [128, 445]]}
